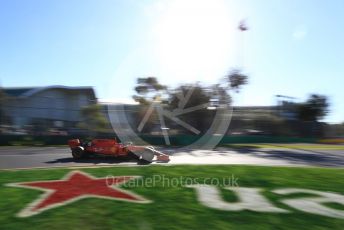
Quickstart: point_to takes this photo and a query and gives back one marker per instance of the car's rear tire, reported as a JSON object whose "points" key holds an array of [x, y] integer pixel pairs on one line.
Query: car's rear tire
{"points": [[78, 153], [133, 156]]}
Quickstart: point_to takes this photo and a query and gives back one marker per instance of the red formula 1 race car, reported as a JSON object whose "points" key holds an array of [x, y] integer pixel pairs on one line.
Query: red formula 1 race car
{"points": [[110, 147]]}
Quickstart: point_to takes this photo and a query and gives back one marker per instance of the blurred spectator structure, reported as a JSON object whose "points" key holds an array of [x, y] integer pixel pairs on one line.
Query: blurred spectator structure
{"points": [[40, 108]]}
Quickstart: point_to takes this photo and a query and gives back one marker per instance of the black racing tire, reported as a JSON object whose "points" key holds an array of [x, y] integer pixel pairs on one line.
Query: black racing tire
{"points": [[134, 156], [78, 153]]}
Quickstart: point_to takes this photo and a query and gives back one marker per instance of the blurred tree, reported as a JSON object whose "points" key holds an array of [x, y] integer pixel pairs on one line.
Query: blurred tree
{"points": [[148, 89], [314, 109], [198, 95], [2, 100], [193, 97], [236, 79], [199, 101], [2, 94], [93, 119]]}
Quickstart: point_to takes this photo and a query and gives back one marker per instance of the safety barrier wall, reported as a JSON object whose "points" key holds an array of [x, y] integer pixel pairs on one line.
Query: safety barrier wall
{"points": [[179, 140]]}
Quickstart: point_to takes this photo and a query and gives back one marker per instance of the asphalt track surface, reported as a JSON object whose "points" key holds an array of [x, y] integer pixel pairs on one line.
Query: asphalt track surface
{"points": [[33, 157]]}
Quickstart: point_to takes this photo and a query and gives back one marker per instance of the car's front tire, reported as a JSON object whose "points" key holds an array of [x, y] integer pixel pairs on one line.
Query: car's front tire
{"points": [[78, 153]]}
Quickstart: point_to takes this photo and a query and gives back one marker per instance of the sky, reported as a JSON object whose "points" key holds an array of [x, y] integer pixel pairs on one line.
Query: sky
{"points": [[292, 47]]}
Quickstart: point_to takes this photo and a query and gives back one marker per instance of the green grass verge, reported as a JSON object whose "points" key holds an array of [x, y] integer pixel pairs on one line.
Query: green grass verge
{"points": [[172, 207]]}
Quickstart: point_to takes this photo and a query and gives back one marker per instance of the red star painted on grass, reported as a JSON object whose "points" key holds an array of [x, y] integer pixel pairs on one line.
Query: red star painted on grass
{"points": [[75, 186]]}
